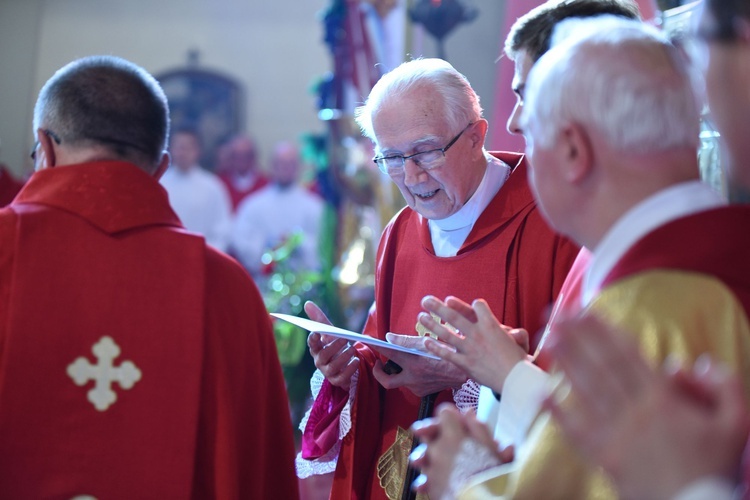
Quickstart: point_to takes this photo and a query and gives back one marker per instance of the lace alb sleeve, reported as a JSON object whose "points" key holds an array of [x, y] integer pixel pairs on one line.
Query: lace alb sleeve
{"points": [[467, 397], [327, 463]]}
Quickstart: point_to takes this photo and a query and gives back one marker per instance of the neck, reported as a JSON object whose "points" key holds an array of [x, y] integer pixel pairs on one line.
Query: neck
{"points": [[479, 169], [625, 182]]}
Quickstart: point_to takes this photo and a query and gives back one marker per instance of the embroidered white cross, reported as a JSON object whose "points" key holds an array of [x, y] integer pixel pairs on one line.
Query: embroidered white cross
{"points": [[104, 373]]}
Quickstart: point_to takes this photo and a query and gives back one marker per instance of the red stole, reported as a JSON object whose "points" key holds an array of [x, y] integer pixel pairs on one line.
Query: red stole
{"points": [[100, 265], [675, 246]]}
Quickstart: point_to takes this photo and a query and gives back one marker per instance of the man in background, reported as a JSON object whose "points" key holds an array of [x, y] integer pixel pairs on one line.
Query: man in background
{"points": [[198, 196], [283, 212], [240, 171]]}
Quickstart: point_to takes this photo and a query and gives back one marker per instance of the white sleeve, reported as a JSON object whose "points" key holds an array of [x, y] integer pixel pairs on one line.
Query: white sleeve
{"points": [[222, 223], [523, 392], [708, 488], [247, 239]]}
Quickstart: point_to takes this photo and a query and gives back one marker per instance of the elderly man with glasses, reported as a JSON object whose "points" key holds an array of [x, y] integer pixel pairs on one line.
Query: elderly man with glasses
{"points": [[471, 229]]}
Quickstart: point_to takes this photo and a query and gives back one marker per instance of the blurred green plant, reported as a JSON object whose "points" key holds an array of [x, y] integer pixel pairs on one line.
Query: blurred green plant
{"points": [[286, 291]]}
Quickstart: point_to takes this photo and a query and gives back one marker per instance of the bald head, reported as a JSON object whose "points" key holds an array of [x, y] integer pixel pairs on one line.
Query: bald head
{"points": [[285, 164], [242, 155]]}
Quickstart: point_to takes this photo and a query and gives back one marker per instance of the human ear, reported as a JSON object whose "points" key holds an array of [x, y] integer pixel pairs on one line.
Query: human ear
{"points": [[47, 158], [478, 133], [163, 165], [578, 153]]}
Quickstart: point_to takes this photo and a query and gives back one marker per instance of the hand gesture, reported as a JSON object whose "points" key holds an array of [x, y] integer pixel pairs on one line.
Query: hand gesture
{"points": [[439, 456], [484, 348], [634, 420]]}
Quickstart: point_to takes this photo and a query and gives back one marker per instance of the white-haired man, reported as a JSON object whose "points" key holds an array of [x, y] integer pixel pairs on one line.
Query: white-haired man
{"points": [[471, 230]]}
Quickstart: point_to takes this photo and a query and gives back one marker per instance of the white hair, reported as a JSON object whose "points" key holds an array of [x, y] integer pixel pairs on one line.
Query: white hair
{"points": [[428, 75], [619, 77]]}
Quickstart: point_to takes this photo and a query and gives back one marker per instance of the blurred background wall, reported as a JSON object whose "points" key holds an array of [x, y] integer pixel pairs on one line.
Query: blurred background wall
{"points": [[273, 48]]}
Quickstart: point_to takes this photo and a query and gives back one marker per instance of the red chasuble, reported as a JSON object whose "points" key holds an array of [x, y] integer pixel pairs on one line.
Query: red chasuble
{"points": [[135, 361], [511, 258], [9, 186]]}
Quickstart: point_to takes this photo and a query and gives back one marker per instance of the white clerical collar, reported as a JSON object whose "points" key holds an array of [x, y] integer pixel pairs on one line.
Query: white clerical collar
{"points": [[670, 204], [494, 177], [243, 181], [450, 233]]}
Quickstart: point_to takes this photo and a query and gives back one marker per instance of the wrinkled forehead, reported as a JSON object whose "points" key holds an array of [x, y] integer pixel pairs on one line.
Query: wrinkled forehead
{"points": [[409, 118]]}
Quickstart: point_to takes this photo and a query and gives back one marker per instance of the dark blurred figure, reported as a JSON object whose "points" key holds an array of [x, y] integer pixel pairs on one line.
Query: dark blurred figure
{"points": [[240, 171]]}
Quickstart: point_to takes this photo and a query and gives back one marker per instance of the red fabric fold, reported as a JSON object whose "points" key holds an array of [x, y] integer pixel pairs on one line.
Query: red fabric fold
{"points": [[322, 430]]}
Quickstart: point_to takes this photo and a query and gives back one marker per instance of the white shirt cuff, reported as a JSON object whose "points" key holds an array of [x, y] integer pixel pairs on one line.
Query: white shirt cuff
{"points": [[707, 488], [523, 392]]}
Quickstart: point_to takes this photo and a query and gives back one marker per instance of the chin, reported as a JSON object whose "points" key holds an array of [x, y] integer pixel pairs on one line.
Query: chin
{"points": [[433, 214]]}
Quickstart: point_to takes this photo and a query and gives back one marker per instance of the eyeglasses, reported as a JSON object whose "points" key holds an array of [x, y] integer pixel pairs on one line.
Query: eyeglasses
{"points": [[48, 133], [426, 160]]}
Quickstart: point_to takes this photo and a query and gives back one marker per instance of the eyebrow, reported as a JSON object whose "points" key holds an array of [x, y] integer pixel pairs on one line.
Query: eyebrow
{"points": [[424, 140]]}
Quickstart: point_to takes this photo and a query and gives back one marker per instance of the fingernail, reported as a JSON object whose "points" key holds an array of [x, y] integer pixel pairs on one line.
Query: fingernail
{"points": [[419, 482], [428, 300], [672, 363], [419, 424]]}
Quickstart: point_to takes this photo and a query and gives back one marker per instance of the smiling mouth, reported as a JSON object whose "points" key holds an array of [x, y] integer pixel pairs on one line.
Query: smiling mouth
{"points": [[426, 196]]}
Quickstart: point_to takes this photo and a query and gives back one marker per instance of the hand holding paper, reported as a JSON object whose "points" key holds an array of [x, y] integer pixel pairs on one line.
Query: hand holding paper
{"points": [[333, 331], [334, 357], [423, 373]]}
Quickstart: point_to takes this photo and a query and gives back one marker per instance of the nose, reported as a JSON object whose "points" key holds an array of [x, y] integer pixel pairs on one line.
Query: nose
{"points": [[514, 122], [412, 172]]}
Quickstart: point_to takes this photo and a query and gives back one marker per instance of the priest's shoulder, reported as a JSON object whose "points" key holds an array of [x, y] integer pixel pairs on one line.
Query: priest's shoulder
{"points": [[399, 222], [226, 276], [8, 221]]}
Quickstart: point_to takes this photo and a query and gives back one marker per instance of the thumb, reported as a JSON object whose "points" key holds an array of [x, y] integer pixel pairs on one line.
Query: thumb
{"points": [[521, 336], [404, 340], [315, 313]]}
